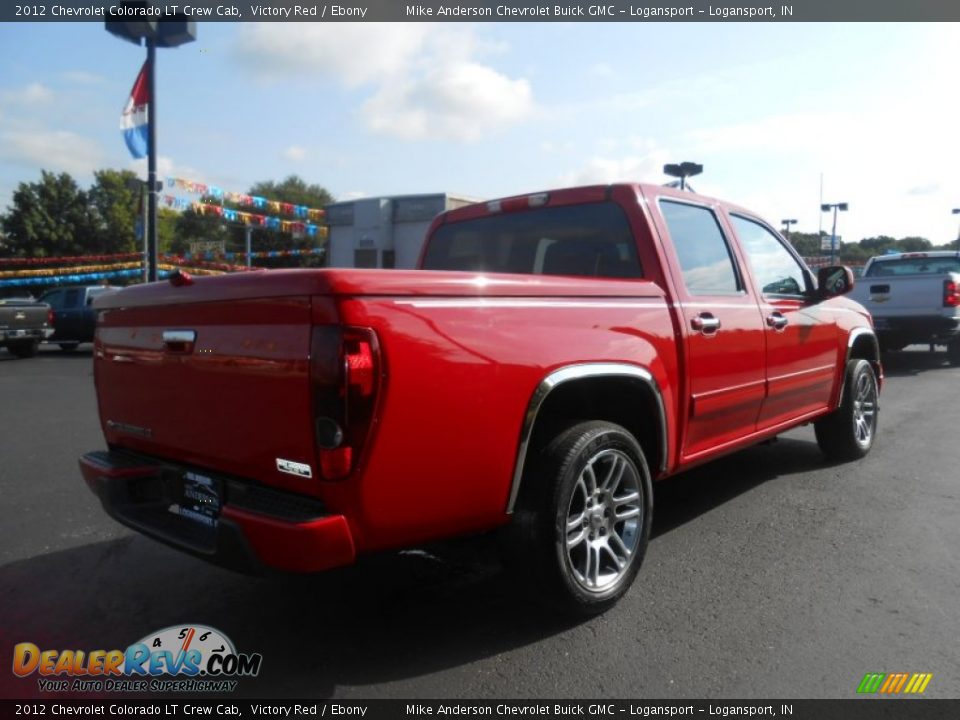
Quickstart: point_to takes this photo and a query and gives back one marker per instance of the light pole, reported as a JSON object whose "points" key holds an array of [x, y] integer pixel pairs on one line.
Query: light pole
{"points": [[786, 227], [956, 211], [169, 33], [827, 207], [683, 171]]}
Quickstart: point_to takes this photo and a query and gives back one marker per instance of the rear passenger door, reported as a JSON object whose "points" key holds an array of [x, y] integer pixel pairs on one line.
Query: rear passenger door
{"points": [[70, 318], [722, 328], [801, 335]]}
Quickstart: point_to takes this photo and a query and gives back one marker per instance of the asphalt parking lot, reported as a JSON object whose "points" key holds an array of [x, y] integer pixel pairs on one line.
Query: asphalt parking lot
{"points": [[771, 574]]}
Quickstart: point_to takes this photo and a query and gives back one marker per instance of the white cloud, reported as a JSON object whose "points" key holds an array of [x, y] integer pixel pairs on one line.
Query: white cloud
{"points": [[166, 167], [294, 153], [351, 53], [422, 81], [82, 77], [33, 94], [58, 150], [628, 168], [462, 101]]}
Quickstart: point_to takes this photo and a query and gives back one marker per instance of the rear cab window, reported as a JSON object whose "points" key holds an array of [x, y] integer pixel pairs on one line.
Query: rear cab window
{"points": [[913, 266], [587, 240]]}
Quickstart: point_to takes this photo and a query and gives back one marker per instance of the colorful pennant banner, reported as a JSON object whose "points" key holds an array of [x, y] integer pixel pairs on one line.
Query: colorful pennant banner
{"points": [[262, 203], [269, 222], [44, 272], [67, 260]]}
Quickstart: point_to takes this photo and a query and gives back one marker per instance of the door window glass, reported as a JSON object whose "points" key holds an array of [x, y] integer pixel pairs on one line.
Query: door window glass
{"points": [[775, 269], [705, 260]]}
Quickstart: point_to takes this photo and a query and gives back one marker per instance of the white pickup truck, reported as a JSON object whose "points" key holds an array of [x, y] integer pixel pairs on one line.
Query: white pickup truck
{"points": [[914, 298]]}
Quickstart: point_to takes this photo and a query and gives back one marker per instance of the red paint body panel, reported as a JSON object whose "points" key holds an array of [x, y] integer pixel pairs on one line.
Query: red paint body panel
{"points": [[460, 356]]}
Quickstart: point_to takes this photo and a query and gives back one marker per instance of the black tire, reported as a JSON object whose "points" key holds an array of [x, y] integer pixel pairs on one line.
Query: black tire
{"points": [[581, 546], [24, 349], [953, 353], [69, 346], [848, 432]]}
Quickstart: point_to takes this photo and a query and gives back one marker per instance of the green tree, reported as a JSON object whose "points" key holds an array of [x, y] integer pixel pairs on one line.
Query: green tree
{"points": [[806, 244], [913, 244], [293, 189], [50, 218], [192, 226], [296, 191], [115, 201]]}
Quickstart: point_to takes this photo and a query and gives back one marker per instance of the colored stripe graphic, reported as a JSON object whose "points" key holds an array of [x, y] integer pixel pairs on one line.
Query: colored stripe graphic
{"points": [[894, 683], [871, 682]]}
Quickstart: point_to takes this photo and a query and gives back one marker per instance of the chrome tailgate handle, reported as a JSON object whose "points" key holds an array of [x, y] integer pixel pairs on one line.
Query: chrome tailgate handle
{"points": [[179, 340], [179, 336]]}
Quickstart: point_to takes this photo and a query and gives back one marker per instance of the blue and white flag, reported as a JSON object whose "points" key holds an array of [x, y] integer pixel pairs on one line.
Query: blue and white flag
{"points": [[133, 121]]}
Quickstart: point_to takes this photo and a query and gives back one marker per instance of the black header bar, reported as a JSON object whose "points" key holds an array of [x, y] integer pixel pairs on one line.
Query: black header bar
{"points": [[638, 11]]}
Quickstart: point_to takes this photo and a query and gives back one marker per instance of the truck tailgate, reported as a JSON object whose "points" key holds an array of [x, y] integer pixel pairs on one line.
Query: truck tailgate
{"points": [[905, 296], [221, 383], [16, 315]]}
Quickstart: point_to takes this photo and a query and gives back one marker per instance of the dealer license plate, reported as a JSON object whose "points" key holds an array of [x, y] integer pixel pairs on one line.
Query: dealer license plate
{"points": [[199, 499]]}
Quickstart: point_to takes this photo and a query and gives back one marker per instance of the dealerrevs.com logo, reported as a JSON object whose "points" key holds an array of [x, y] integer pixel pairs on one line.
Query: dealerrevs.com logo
{"points": [[180, 658]]}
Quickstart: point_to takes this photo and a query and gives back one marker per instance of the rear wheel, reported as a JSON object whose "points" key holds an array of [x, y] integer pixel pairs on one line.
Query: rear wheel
{"points": [[24, 348], [848, 432], [587, 518], [953, 352], [68, 346]]}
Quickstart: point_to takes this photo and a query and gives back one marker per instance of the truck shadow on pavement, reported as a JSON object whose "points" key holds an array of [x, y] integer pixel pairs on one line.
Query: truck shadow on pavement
{"points": [[393, 617], [908, 363]]}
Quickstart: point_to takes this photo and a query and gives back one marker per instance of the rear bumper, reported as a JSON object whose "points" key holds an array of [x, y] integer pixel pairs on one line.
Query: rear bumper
{"points": [[24, 334], [256, 528], [919, 329]]}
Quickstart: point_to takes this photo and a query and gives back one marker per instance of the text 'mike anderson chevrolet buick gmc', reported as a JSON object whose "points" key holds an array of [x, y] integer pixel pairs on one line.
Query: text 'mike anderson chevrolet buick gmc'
{"points": [[555, 355]]}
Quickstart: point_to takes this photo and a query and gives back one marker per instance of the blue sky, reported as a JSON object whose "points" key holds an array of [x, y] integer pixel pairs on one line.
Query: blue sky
{"points": [[486, 110]]}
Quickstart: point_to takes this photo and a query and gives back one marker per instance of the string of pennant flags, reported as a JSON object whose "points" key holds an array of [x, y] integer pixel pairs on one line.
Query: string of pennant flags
{"points": [[267, 221], [91, 268], [262, 203]]}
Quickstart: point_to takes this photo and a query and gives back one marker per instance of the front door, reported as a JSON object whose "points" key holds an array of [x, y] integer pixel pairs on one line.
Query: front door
{"points": [[801, 336], [722, 329]]}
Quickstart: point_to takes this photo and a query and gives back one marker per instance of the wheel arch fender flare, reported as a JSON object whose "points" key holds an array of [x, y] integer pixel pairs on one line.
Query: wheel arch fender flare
{"points": [[563, 377], [862, 344]]}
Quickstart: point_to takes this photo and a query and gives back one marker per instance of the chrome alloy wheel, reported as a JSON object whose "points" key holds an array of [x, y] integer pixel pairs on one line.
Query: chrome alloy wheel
{"points": [[864, 409], [604, 519]]}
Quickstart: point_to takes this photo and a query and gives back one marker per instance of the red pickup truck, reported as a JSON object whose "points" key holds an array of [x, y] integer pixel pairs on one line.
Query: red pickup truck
{"points": [[555, 354]]}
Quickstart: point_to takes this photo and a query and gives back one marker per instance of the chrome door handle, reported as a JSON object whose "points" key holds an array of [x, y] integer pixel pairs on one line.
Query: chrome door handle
{"points": [[777, 321], [705, 323]]}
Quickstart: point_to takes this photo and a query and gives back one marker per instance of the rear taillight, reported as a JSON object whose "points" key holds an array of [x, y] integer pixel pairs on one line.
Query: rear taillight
{"points": [[345, 374], [51, 316], [951, 294]]}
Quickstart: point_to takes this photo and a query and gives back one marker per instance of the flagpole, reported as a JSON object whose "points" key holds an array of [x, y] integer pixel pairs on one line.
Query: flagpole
{"points": [[151, 228]]}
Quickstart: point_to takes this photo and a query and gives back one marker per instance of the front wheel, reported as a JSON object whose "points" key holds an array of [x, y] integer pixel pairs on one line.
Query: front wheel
{"points": [[589, 517], [848, 432]]}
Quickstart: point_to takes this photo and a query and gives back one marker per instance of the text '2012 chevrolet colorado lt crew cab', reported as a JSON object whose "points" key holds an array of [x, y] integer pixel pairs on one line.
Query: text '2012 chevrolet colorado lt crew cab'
{"points": [[555, 354]]}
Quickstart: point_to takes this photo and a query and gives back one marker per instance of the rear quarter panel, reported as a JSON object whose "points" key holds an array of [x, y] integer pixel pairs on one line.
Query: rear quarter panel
{"points": [[460, 374]]}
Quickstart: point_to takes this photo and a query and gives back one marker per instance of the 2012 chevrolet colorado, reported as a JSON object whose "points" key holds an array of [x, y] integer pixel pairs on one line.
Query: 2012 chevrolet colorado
{"points": [[556, 354]]}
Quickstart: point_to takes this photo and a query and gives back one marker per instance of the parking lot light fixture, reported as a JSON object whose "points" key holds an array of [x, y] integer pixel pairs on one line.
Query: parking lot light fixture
{"points": [[682, 171], [169, 33], [827, 207], [956, 211], [787, 222]]}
